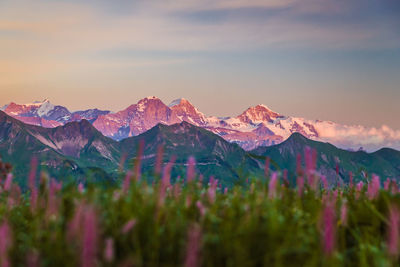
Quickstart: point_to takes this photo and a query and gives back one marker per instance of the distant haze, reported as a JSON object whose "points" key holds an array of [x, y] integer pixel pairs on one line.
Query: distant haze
{"points": [[332, 60]]}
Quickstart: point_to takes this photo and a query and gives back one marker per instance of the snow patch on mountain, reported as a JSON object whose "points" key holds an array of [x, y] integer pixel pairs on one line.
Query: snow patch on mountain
{"points": [[4, 107], [45, 108]]}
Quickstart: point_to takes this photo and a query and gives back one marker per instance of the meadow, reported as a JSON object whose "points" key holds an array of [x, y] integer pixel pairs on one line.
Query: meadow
{"points": [[197, 222]]}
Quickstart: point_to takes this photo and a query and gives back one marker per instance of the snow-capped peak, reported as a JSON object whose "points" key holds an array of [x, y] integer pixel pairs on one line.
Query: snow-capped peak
{"points": [[262, 106], [258, 114], [45, 108]]}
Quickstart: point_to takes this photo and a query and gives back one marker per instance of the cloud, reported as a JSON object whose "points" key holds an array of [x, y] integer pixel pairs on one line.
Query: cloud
{"points": [[356, 136]]}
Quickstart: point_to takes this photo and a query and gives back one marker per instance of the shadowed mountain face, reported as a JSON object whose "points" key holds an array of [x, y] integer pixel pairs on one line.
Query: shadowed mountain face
{"points": [[214, 156], [74, 146], [385, 162]]}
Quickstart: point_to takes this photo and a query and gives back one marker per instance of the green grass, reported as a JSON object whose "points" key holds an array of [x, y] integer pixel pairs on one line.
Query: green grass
{"points": [[243, 227]]}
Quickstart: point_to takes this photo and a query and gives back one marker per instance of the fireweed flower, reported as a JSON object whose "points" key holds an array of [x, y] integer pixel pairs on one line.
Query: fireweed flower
{"points": [[109, 250], [8, 182], [128, 226], [127, 182], [81, 188], [272, 186], [14, 196], [393, 233], [52, 201], [90, 236], [328, 227], [386, 184], [285, 178], [32, 184], [350, 179], [373, 187], [191, 163], [212, 189], [201, 208], [166, 180], [193, 246]]}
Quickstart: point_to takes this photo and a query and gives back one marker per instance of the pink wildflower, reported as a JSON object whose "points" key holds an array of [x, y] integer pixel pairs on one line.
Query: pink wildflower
{"points": [[166, 180], [8, 182], [32, 184], [190, 169], [272, 186], [81, 188], [128, 226], [201, 208], [350, 179], [393, 233], [285, 178], [192, 258], [127, 182], [53, 202], [109, 250], [90, 235], [373, 187], [386, 184], [212, 189], [328, 228]]}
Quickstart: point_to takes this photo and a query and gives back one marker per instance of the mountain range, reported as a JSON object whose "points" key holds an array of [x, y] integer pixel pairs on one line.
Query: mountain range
{"points": [[78, 149], [256, 126]]}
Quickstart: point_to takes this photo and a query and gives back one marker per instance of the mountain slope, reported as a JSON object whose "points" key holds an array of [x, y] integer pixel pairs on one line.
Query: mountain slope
{"points": [[69, 149], [384, 163], [214, 155]]}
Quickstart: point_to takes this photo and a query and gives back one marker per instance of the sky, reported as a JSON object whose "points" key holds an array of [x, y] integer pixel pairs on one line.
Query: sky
{"points": [[336, 60]]}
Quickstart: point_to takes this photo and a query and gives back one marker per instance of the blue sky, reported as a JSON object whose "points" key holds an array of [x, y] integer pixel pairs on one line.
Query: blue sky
{"points": [[335, 60]]}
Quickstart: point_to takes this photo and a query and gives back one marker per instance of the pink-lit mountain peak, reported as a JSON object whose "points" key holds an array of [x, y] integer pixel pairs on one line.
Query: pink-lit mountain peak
{"points": [[186, 111], [258, 114]]}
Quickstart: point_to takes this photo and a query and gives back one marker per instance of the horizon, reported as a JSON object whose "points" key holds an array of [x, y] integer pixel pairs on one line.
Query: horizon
{"points": [[326, 60]]}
